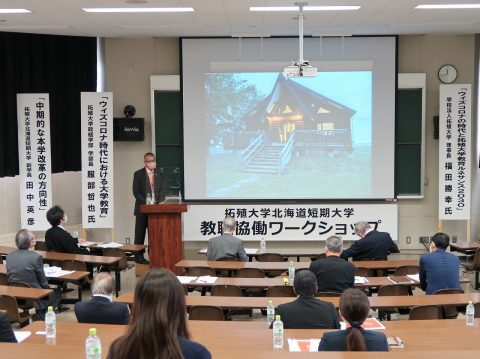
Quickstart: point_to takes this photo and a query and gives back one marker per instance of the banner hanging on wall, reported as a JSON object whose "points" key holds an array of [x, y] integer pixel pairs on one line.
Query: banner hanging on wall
{"points": [[454, 152], [274, 222], [97, 159], [33, 117]]}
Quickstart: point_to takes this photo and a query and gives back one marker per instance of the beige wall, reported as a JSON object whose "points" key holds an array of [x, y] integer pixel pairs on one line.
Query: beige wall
{"points": [[130, 63]]}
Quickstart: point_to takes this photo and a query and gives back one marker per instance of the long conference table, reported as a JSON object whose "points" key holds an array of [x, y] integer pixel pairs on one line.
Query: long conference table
{"points": [[25, 293], [425, 339], [236, 265], [371, 282], [376, 302]]}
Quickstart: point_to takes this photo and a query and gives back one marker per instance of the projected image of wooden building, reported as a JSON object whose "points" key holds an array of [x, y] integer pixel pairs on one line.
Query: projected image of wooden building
{"points": [[293, 118]]}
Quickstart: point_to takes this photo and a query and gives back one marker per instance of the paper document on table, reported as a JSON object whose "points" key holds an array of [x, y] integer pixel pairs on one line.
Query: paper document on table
{"points": [[184, 279], [110, 245], [368, 324], [360, 280], [89, 244], [22, 335], [303, 345], [251, 250], [55, 272], [415, 277], [206, 279]]}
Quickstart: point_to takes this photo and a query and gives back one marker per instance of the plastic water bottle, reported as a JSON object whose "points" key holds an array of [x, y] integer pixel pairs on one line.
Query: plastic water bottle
{"points": [[50, 324], [263, 245], [270, 313], [277, 333], [93, 345], [149, 198], [470, 314], [291, 273]]}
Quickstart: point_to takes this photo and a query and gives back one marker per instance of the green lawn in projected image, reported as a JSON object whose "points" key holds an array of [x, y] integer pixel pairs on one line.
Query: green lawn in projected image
{"points": [[336, 175]]}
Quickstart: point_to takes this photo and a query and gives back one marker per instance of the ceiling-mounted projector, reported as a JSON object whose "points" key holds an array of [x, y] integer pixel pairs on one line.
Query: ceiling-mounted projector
{"points": [[300, 67], [296, 69]]}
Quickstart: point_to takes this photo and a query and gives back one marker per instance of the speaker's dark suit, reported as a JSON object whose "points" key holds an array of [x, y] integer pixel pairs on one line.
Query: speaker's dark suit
{"points": [[334, 274], [375, 245], [308, 312], [439, 270], [6, 332], [141, 188], [335, 341], [100, 310], [59, 240]]}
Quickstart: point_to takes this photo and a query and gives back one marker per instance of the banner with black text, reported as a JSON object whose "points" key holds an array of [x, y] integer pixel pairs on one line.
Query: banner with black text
{"points": [[97, 159], [33, 117]]}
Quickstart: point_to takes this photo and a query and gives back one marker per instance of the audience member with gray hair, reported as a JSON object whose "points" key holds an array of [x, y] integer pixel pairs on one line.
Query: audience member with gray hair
{"points": [[100, 309], [333, 273], [306, 311], [371, 245], [226, 246], [26, 266]]}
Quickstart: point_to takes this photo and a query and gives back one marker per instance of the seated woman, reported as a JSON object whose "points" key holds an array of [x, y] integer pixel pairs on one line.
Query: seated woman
{"points": [[6, 332], [354, 309], [57, 238], [158, 327]]}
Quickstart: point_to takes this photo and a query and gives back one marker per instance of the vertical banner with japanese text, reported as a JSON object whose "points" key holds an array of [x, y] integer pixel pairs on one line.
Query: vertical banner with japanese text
{"points": [[97, 159], [33, 117], [454, 152]]}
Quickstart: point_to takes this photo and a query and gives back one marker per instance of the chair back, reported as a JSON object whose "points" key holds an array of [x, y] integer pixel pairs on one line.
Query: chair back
{"points": [[328, 294], [320, 256], [426, 312], [477, 309], [281, 291], [74, 265], [250, 273], [406, 270], [9, 305], [1, 259], [226, 291], [201, 271], [392, 289], [117, 252], [363, 272], [451, 311], [476, 260], [271, 257], [41, 246], [205, 312], [3, 279]]}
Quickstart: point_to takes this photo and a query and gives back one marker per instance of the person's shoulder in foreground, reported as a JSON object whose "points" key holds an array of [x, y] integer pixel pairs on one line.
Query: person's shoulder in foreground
{"points": [[6, 332], [193, 350]]}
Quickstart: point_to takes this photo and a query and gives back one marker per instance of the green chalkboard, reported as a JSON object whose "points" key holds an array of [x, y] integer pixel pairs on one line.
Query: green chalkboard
{"points": [[408, 146], [169, 138]]}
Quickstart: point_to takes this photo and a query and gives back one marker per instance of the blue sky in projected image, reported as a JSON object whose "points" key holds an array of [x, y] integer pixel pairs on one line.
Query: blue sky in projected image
{"points": [[349, 88]]}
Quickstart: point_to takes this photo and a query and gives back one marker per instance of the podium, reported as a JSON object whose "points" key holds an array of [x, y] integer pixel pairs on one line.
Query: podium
{"points": [[165, 247]]}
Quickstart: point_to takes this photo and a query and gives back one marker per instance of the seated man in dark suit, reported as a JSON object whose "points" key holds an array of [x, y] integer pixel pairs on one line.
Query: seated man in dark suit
{"points": [[333, 273], [57, 238], [100, 309], [439, 269], [6, 332], [26, 266], [372, 245], [226, 246], [306, 311]]}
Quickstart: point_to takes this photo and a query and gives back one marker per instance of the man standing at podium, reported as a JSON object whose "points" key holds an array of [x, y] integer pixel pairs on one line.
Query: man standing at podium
{"points": [[147, 184]]}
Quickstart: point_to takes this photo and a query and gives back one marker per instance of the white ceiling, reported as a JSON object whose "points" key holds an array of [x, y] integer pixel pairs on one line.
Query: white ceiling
{"points": [[224, 17]]}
